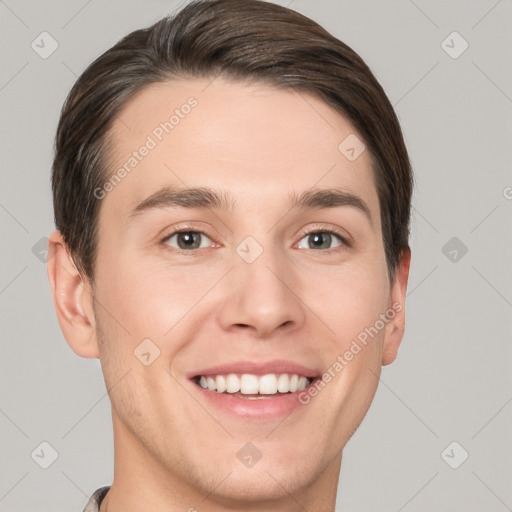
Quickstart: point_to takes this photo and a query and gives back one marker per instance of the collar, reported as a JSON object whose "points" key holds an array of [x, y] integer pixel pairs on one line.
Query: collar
{"points": [[93, 505]]}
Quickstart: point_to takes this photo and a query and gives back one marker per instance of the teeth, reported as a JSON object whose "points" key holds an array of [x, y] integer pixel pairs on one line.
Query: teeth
{"points": [[221, 383], [232, 383], [283, 383], [212, 385], [268, 384], [294, 383], [249, 384]]}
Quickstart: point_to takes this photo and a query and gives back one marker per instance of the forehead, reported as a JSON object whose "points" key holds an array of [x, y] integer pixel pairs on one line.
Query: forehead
{"points": [[251, 140]]}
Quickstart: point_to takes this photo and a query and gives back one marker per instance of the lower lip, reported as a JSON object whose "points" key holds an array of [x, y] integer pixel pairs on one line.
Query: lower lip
{"points": [[274, 406]]}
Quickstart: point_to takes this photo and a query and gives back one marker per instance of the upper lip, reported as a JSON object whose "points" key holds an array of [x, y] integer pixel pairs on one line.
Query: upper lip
{"points": [[257, 368]]}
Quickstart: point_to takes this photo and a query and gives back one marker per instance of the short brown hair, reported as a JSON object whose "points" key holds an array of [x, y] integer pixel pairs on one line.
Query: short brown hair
{"points": [[241, 40]]}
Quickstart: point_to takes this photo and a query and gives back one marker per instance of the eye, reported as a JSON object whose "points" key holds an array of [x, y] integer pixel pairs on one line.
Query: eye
{"points": [[322, 240], [187, 240]]}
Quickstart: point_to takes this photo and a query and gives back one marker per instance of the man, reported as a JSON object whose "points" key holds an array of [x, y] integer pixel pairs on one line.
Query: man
{"points": [[232, 196]]}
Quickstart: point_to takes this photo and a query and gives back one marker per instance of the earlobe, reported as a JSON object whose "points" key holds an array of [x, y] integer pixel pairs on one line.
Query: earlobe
{"points": [[72, 298], [396, 326]]}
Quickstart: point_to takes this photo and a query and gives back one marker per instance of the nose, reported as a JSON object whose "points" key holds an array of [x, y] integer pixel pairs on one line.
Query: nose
{"points": [[262, 296]]}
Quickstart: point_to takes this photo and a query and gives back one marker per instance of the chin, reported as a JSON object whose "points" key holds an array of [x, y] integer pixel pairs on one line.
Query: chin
{"points": [[262, 485], [271, 478]]}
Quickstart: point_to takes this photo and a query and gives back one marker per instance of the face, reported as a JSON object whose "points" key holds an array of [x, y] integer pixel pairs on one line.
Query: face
{"points": [[274, 285]]}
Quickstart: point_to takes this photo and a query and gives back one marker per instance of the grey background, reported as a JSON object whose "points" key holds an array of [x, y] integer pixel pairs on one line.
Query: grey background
{"points": [[452, 379]]}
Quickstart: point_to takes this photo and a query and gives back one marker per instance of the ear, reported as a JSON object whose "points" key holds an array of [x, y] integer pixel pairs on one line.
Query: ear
{"points": [[72, 297], [395, 327]]}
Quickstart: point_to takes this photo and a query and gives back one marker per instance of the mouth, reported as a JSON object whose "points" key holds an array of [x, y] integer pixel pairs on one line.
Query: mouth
{"points": [[253, 387], [251, 390]]}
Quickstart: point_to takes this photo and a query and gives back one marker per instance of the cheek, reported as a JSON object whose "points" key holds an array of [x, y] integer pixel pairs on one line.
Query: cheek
{"points": [[148, 300], [347, 300]]}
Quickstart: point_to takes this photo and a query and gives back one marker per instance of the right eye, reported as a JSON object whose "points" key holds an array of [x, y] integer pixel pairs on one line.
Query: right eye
{"points": [[186, 240]]}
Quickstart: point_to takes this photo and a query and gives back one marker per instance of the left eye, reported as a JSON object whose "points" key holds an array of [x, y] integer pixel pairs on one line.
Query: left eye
{"points": [[188, 239], [320, 240]]}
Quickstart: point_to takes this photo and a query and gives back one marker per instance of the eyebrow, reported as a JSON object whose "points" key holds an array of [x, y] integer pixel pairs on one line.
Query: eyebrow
{"points": [[208, 198]]}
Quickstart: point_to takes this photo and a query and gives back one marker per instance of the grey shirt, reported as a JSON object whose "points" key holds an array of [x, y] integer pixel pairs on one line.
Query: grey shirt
{"points": [[93, 505]]}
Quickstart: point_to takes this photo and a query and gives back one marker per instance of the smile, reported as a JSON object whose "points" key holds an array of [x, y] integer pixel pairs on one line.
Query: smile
{"points": [[255, 390], [258, 386]]}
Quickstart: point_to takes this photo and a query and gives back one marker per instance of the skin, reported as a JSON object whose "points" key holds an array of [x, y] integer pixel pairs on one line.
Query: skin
{"points": [[209, 306]]}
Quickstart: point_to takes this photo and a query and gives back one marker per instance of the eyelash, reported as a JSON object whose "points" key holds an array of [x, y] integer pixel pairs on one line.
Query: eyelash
{"points": [[344, 242]]}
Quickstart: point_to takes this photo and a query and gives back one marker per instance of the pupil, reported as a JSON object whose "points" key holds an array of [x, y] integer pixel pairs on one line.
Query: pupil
{"points": [[189, 238], [319, 238]]}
